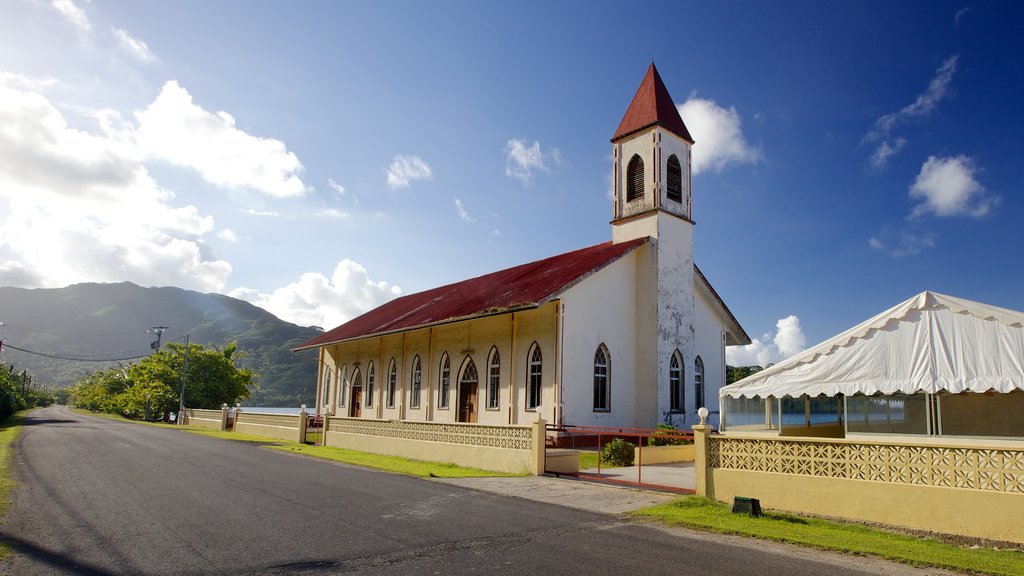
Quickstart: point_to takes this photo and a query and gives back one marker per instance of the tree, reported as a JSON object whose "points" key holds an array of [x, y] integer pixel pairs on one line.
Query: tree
{"points": [[213, 378]]}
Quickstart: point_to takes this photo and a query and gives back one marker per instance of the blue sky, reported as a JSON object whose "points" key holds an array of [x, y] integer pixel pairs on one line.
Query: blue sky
{"points": [[318, 158]]}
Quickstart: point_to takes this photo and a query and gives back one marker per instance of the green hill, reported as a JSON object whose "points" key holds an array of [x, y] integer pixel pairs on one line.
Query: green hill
{"points": [[111, 321]]}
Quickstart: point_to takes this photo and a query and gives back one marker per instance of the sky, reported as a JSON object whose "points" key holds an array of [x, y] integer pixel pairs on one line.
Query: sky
{"points": [[320, 158]]}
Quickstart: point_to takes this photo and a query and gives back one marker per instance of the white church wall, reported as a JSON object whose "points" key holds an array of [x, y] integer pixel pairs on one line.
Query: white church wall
{"points": [[600, 309], [711, 349], [677, 326]]}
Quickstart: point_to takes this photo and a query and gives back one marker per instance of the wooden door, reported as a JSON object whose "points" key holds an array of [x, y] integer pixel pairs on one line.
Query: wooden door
{"points": [[356, 408], [468, 393]]}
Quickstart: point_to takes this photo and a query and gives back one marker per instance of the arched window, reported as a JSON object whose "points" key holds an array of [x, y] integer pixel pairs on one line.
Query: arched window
{"points": [[635, 178], [601, 387], [343, 385], [369, 386], [676, 386], [445, 383], [533, 383], [698, 382], [493, 379], [675, 179], [392, 382], [324, 399], [414, 393]]}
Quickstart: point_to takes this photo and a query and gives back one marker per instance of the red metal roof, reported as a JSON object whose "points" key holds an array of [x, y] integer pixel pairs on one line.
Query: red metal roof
{"points": [[652, 104], [517, 288]]}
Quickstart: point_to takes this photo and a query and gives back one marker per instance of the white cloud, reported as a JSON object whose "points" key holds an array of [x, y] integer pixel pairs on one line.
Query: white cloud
{"points": [[924, 104], [494, 235], [462, 211], [960, 14], [13, 80], [176, 130], [264, 213], [332, 213], [947, 187], [337, 187], [72, 14], [227, 234], [718, 134], [788, 340], [82, 207], [405, 169], [521, 160], [884, 151], [315, 300], [904, 243], [134, 47]]}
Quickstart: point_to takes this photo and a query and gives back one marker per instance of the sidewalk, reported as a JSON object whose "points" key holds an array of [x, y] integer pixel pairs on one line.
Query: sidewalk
{"points": [[572, 492], [678, 477]]}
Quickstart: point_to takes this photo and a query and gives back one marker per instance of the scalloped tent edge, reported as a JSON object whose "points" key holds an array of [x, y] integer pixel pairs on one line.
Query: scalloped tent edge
{"points": [[929, 343]]}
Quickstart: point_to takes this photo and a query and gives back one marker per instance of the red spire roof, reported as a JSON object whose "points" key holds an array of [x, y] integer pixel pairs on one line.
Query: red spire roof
{"points": [[652, 104], [518, 288]]}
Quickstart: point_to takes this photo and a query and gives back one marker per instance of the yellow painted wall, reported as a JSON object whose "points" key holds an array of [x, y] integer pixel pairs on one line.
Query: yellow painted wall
{"points": [[487, 458], [663, 454], [996, 515]]}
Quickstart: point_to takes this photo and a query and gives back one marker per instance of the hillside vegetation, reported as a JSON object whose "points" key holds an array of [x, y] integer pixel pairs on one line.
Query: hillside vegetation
{"points": [[111, 321]]}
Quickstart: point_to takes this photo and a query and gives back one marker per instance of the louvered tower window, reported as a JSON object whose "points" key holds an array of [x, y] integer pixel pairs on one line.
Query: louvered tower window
{"points": [[675, 179], [635, 179]]}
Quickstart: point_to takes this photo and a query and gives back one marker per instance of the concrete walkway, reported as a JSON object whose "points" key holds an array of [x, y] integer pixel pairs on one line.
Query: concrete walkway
{"points": [[566, 491], [680, 476]]}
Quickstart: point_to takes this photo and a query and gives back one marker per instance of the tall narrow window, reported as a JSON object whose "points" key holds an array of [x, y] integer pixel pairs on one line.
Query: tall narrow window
{"points": [[635, 178], [414, 393], [601, 403], [446, 382], [676, 388], [698, 382], [675, 179], [493, 379], [533, 384], [342, 385], [392, 382], [369, 386]]}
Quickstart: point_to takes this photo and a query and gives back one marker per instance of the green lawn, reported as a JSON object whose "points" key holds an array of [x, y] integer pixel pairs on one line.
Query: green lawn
{"points": [[9, 431], [703, 514]]}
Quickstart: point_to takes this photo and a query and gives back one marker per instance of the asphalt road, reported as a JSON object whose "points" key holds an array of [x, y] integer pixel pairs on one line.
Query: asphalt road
{"points": [[100, 497]]}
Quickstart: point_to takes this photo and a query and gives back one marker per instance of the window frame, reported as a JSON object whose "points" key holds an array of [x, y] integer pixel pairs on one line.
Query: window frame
{"points": [[698, 383], [370, 382], [602, 379], [675, 195], [534, 378], [416, 384], [635, 185], [342, 385], [493, 380], [677, 383], [392, 385], [444, 383]]}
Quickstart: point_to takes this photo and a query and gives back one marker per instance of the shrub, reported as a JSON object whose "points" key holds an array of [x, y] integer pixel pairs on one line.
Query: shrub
{"points": [[618, 452], [666, 430]]}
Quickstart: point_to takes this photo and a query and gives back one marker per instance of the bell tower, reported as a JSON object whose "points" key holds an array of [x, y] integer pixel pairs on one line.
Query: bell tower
{"points": [[652, 199], [651, 149]]}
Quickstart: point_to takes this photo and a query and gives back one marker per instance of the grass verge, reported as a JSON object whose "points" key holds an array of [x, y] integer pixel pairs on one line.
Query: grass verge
{"points": [[708, 515], [9, 432], [395, 464]]}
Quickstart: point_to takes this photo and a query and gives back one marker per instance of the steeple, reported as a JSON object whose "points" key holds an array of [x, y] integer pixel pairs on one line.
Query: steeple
{"points": [[652, 158], [652, 105]]}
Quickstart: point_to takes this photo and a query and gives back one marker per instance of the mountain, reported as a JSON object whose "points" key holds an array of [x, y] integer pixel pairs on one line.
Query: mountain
{"points": [[110, 321]]}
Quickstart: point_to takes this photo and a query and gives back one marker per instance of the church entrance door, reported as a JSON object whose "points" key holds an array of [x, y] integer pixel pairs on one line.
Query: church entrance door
{"points": [[468, 393], [356, 409]]}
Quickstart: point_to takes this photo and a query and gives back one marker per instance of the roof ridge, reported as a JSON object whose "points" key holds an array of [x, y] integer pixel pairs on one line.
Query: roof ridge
{"points": [[652, 105]]}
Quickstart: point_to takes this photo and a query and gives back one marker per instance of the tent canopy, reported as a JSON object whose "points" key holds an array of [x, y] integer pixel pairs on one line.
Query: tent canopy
{"points": [[929, 343]]}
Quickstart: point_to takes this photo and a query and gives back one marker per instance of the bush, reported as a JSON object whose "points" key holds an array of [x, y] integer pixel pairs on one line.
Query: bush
{"points": [[618, 452], [666, 430]]}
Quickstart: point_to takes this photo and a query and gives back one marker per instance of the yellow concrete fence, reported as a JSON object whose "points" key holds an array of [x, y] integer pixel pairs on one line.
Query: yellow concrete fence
{"points": [[515, 449], [969, 488], [211, 419], [279, 426]]}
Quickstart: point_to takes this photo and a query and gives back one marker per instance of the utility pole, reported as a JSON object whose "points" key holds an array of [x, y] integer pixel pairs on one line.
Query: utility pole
{"points": [[181, 399]]}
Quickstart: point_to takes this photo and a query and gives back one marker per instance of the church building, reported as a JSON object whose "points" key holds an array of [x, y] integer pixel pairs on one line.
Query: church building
{"points": [[625, 333]]}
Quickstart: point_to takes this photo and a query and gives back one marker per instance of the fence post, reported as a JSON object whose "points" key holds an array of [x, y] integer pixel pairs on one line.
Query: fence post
{"points": [[303, 422], [223, 417], [540, 428], [700, 460]]}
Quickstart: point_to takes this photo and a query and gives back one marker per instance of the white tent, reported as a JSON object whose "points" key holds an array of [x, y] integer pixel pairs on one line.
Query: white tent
{"points": [[930, 343]]}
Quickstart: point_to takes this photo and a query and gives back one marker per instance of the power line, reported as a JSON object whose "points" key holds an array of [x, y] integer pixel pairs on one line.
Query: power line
{"points": [[82, 358]]}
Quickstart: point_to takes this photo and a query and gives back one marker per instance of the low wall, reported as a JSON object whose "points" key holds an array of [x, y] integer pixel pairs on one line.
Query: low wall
{"points": [[210, 419], [278, 426], [513, 449], [957, 488], [663, 454]]}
